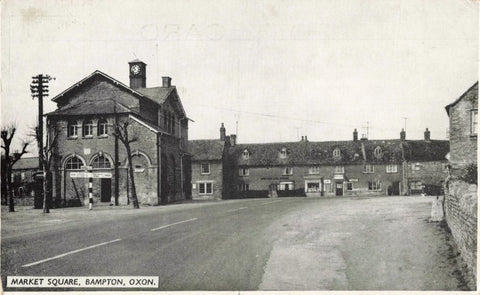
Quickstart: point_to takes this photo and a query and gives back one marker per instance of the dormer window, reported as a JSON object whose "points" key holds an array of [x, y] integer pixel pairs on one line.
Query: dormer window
{"points": [[378, 153], [246, 154], [337, 154], [283, 153]]}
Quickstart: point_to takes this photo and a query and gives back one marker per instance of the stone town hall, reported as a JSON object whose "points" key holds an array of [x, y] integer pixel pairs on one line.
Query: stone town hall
{"points": [[84, 121]]}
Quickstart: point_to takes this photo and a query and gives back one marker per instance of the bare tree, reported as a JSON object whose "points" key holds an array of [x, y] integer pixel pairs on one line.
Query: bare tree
{"points": [[45, 157], [7, 134], [121, 132]]}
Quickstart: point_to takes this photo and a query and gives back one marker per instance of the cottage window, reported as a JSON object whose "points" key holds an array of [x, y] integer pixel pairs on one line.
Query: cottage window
{"points": [[392, 168], [88, 128], [287, 171], [286, 186], [416, 185], [283, 153], [72, 129], [205, 188], [474, 120], [337, 154], [246, 155], [243, 172], [74, 163], [338, 170], [101, 162], [367, 168], [374, 185], [378, 153], [205, 168], [349, 186], [244, 187], [102, 127], [314, 170]]}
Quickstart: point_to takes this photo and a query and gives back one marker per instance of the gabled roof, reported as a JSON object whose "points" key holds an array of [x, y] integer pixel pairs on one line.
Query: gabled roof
{"points": [[95, 107], [206, 149], [474, 87], [352, 152], [26, 163], [91, 76]]}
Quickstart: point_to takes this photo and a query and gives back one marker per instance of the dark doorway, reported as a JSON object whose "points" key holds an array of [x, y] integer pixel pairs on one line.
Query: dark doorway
{"points": [[105, 189], [339, 188], [396, 188]]}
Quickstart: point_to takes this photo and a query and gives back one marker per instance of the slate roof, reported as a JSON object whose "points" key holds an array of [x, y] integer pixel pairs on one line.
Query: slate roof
{"points": [[352, 152], [26, 163], [206, 149], [474, 87], [157, 94], [94, 107], [432, 150]]}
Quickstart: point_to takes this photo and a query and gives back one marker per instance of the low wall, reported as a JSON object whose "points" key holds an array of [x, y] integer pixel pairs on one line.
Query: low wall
{"points": [[461, 214]]}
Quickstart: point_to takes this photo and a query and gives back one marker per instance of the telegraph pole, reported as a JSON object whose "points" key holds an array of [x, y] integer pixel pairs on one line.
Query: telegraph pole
{"points": [[39, 89]]}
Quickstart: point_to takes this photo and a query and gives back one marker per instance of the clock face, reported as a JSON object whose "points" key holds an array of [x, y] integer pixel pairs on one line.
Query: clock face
{"points": [[135, 69]]}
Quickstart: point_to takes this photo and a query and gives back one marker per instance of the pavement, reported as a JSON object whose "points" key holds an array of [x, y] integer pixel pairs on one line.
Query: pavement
{"points": [[349, 243]]}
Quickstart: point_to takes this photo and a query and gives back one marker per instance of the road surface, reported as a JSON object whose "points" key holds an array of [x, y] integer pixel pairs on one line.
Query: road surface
{"points": [[377, 243]]}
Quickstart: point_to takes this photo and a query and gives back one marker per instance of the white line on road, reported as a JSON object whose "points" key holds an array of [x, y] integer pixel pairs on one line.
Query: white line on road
{"points": [[270, 202], [241, 208], [71, 252], [165, 226]]}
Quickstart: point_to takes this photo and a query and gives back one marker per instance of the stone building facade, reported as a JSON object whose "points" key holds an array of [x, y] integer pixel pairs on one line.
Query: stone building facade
{"points": [[337, 168], [84, 122], [461, 197], [463, 115]]}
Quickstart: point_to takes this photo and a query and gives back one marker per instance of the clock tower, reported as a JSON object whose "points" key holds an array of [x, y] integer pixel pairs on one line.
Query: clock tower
{"points": [[138, 77]]}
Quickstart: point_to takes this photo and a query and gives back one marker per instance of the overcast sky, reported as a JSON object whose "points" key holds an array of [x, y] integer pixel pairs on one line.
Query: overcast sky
{"points": [[282, 69]]}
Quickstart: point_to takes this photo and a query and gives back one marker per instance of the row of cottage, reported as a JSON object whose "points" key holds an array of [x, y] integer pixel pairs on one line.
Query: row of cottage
{"points": [[168, 167], [222, 168]]}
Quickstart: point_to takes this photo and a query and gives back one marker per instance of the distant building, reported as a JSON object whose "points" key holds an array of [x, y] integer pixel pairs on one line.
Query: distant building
{"points": [[85, 118], [337, 168], [23, 176], [208, 161], [463, 114]]}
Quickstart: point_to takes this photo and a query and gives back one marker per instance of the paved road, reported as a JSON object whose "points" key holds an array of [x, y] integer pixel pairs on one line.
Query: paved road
{"points": [[270, 244]]}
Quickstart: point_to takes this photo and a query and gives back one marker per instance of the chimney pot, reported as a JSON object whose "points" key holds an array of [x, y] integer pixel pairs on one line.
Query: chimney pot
{"points": [[302, 138], [355, 135], [427, 134], [166, 81], [222, 132], [402, 134]]}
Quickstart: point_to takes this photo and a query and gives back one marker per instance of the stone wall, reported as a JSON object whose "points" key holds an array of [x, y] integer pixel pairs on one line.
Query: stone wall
{"points": [[461, 214]]}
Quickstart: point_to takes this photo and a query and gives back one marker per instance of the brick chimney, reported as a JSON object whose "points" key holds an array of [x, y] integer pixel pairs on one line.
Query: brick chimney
{"points": [[166, 81], [222, 132], [402, 134], [138, 74], [233, 139], [355, 135], [426, 134]]}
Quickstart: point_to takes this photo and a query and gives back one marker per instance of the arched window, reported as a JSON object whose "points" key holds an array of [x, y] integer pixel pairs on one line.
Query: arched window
{"points": [[378, 152], [72, 129], [88, 128], [73, 163], [101, 162], [246, 155], [337, 154], [102, 128]]}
